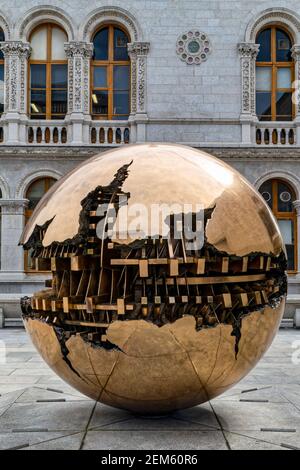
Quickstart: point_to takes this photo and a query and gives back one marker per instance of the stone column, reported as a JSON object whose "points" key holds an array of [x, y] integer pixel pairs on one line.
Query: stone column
{"points": [[79, 55], [12, 224], [16, 55], [138, 52], [248, 53], [296, 205], [296, 97]]}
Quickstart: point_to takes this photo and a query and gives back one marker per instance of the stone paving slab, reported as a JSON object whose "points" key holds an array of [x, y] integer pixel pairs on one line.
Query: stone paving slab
{"points": [[158, 440], [271, 399]]}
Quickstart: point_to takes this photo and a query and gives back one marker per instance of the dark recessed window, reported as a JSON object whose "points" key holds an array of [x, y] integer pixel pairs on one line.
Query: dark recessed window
{"points": [[274, 75], [110, 95]]}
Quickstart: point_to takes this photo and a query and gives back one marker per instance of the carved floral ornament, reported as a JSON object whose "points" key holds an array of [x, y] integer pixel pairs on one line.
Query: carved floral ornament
{"points": [[193, 47], [79, 48]]}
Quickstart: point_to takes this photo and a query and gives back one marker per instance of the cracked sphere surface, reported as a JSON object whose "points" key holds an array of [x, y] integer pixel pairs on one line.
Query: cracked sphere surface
{"points": [[154, 316]]}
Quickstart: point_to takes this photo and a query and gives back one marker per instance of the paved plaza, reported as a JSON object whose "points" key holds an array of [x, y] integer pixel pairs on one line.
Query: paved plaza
{"points": [[40, 411]]}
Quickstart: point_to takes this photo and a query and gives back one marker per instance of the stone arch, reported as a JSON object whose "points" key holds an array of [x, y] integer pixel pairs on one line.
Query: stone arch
{"points": [[4, 188], [284, 175], [280, 16], [43, 14], [31, 177], [5, 26], [109, 15]]}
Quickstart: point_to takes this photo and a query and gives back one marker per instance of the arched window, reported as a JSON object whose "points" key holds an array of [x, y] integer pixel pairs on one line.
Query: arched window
{"points": [[274, 75], [48, 70], [280, 196], [110, 97], [2, 38], [34, 194]]}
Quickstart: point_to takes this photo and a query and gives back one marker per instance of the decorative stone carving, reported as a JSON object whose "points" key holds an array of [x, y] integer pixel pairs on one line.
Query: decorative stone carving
{"points": [[138, 54], [248, 53], [272, 15], [4, 25], [38, 15], [296, 205], [79, 55], [108, 14], [296, 56], [13, 206], [193, 47], [16, 55]]}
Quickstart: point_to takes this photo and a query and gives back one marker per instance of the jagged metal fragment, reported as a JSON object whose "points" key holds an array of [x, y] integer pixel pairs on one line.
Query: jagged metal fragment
{"points": [[148, 323]]}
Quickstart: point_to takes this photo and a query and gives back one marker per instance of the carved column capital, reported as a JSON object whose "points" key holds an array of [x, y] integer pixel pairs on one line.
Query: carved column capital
{"points": [[13, 206], [79, 49], [248, 53], [248, 50], [138, 48], [138, 52], [79, 54], [15, 48], [296, 205]]}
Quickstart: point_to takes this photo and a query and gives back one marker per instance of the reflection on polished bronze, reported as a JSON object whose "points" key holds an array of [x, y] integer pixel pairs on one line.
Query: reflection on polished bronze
{"points": [[144, 319]]}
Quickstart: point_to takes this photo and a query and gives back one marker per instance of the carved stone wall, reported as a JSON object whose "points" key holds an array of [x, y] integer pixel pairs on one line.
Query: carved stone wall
{"points": [[138, 54], [16, 55], [79, 55], [296, 56], [248, 53]]}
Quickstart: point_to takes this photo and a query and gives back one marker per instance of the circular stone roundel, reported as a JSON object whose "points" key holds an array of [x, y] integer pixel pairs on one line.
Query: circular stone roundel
{"points": [[193, 47]]}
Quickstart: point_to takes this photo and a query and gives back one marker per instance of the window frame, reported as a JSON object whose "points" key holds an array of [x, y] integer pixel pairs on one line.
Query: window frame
{"points": [[109, 63], [274, 65], [28, 213], [48, 62], [285, 215]]}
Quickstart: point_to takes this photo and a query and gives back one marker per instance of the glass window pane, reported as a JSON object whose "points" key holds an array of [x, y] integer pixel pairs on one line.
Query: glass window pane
{"points": [[283, 105], [38, 43], [263, 104], [264, 78], [1, 88], [286, 229], [59, 76], [120, 45], [266, 192], [283, 46], [59, 102], [59, 37], [121, 77], [264, 39], [38, 102], [285, 198], [36, 190], [100, 102], [287, 232], [38, 75], [100, 77], [101, 45], [2, 38], [284, 77], [121, 102]]}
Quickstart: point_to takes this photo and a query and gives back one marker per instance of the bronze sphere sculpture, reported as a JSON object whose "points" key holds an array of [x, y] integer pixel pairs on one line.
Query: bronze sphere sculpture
{"points": [[154, 314]]}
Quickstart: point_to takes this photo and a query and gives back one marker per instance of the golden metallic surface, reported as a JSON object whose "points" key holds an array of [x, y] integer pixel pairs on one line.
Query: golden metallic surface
{"points": [[166, 173], [159, 369], [153, 327]]}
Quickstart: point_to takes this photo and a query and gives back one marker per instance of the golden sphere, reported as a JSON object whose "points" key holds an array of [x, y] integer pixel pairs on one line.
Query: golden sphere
{"points": [[168, 277]]}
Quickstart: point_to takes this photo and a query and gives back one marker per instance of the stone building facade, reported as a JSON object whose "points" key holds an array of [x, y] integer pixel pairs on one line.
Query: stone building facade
{"points": [[198, 73]]}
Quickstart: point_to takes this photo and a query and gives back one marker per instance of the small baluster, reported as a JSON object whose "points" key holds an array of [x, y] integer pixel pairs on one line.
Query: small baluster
{"points": [[106, 135]]}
